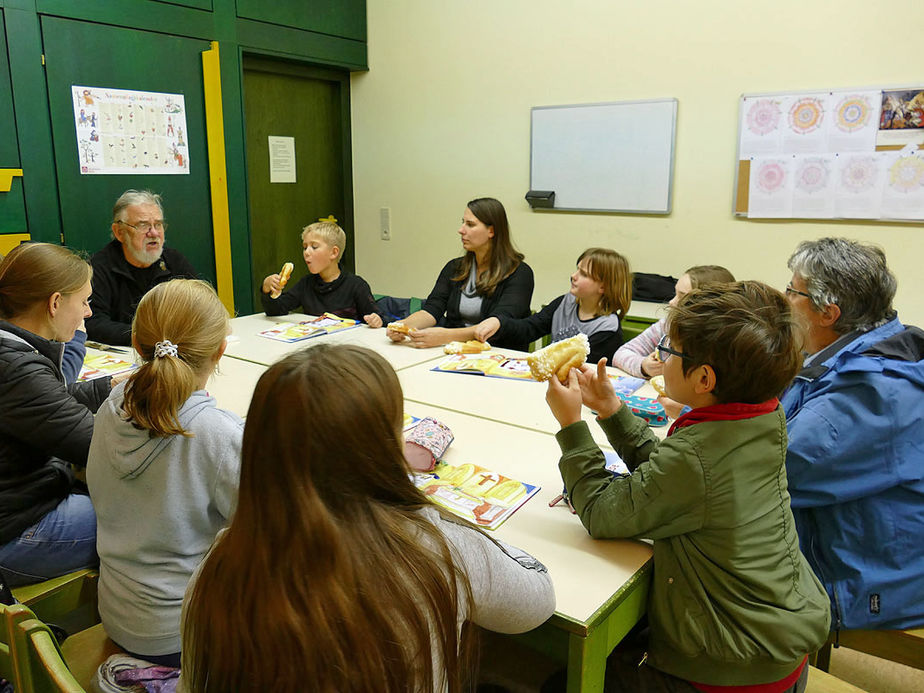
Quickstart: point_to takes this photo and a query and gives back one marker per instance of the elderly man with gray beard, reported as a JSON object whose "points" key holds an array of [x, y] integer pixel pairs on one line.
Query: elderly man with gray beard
{"points": [[130, 265]]}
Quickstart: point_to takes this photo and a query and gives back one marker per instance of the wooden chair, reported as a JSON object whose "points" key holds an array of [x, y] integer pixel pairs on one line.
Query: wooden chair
{"points": [[823, 682], [38, 665], [901, 646]]}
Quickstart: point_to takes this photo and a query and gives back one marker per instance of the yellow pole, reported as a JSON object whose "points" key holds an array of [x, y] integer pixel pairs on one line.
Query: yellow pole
{"points": [[218, 183]]}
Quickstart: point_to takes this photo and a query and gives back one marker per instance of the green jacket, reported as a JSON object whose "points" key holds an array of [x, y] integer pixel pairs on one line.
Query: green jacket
{"points": [[733, 600]]}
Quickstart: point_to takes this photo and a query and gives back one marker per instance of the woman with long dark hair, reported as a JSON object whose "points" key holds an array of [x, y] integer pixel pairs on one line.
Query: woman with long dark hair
{"points": [[490, 279], [337, 573]]}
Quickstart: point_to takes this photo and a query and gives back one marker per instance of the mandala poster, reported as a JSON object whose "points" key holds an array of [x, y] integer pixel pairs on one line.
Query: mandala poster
{"points": [[903, 189], [854, 121], [770, 189], [806, 123], [124, 131], [761, 126], [859, 178], [813, 186]]}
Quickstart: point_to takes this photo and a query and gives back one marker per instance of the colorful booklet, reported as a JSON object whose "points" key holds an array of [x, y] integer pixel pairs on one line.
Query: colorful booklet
{"points": [[97, 365], [626, 384], [474, 493], [491, 365], [306, 329]]}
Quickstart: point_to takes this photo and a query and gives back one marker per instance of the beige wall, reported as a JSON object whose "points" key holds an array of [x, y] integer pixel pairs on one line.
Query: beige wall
{"points": [[442, 116]]}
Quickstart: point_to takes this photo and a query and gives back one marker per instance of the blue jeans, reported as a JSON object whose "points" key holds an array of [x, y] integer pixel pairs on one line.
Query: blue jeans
{"points": [[61, 542]]}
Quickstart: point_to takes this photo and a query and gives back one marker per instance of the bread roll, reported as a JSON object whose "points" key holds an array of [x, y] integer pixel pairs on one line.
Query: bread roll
{"points": [[658, 384], [472, 346], [559, 358], [284, 275], [399, 327]]}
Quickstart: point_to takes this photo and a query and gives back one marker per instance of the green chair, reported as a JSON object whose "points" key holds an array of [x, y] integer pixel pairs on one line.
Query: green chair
{"points": [[38, 665], [52, 599]]}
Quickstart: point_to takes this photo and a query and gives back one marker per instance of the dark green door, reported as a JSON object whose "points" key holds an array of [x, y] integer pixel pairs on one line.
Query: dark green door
{"points": [[12, 203], [311, 105], [96, 55]]}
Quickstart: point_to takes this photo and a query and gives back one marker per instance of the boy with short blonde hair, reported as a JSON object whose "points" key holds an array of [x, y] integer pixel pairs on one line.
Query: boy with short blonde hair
{"points": [[326, 288], [733, 602]]}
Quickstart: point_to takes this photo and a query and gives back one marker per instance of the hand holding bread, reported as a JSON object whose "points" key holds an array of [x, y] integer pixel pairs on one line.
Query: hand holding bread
{"points": [[559, 358], [281, 280]]}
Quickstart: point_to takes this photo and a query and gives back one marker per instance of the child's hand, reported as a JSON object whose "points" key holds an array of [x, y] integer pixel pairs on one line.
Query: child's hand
{"points": [[485, 329], [597, 391], [671, 407], [565, 400], [652, 365], [395, 336], [429, 337], [373, 320], [271, 284]]}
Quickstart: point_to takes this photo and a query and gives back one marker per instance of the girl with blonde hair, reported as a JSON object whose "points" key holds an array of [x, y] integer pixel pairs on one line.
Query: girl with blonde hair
{"points": [[163, 468], [638, 356], [601, 291], [336, 573], [47, 527]]}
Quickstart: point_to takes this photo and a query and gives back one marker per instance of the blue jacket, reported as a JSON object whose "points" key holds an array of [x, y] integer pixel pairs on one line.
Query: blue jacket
{"points": [[856, 475]]}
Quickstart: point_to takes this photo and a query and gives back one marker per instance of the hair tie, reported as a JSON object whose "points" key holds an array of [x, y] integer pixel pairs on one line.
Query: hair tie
{"points": [[164, 348]]}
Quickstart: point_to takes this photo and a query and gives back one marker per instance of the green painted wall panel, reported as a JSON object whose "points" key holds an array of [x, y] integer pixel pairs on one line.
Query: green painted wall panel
{"points": [[294, 43], [101, 56], [346, 18]]}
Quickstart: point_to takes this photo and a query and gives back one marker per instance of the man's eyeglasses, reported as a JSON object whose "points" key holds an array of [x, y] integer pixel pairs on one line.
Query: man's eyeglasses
{"points": [[146, 226], [665, 352], [790, 290]]}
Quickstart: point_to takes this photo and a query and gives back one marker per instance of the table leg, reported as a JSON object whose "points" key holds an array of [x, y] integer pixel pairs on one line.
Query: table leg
{"points": [[587, 661]]}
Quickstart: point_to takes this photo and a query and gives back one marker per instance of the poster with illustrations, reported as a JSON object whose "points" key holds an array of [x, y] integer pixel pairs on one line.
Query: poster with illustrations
{"points": [[125, 131]]}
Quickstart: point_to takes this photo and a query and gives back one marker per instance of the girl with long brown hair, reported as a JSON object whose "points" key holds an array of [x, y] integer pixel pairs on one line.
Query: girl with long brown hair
{"points": [[47, 526], [601, 291], [336, 573], [163, 468], [491, 278]]}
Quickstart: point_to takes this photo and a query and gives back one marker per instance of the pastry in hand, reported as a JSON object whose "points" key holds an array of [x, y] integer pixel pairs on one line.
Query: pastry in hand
{"points": [[559, 358], [284, 275], [658, 384], [472, 346], [399, 327]]}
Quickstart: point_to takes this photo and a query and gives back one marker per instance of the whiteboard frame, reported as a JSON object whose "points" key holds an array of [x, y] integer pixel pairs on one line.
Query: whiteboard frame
{"points": [[670, 174]]}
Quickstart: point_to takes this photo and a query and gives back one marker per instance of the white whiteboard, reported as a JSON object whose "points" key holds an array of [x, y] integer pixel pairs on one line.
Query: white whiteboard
{"points": [[614, 157]]}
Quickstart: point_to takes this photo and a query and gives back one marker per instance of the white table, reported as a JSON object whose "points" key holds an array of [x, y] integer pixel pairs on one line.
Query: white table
{"points": [[601, 587], [232, 384], [247, 344], [516, 402]]}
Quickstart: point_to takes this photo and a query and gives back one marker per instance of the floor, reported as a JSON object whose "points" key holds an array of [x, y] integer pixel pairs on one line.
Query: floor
{"points": [[510, 667]]}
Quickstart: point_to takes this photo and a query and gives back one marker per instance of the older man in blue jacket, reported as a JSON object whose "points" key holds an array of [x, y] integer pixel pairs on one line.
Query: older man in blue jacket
{"points": [[855, 416]]}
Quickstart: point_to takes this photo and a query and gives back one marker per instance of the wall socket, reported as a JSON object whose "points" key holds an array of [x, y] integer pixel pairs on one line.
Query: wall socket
{"points": [[385, 223]]}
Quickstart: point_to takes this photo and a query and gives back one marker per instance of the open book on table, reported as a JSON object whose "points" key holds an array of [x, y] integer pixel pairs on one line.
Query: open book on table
{"points": [[500, 366], [306, 329], [98, 365], [492, 365], [479, 495]]}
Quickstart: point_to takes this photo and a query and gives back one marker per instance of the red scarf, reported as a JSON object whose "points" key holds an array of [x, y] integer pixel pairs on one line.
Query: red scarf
{"points": [[732, 411]]}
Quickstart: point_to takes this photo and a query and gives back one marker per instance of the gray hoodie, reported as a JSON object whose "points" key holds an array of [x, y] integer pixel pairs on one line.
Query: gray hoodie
{"points": [[159, 504]]}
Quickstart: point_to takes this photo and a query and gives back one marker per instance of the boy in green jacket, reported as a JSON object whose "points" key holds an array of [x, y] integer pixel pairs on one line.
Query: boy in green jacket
{"points": [[733, 602]]}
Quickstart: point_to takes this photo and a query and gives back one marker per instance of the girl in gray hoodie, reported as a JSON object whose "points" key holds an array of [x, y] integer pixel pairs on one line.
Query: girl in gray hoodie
{"points": [[163, 468]]}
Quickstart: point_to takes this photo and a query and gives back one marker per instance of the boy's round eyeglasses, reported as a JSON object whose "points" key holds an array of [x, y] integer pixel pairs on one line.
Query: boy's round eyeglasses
{"points": [[664, 348], [145, 226], [791, 290]]}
